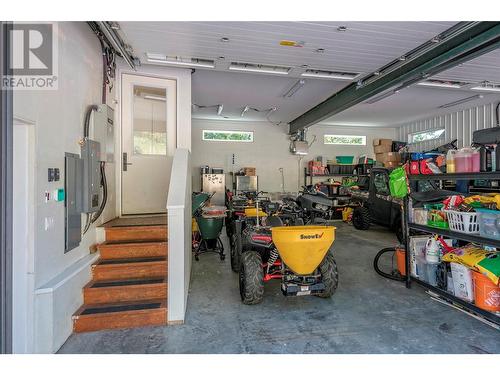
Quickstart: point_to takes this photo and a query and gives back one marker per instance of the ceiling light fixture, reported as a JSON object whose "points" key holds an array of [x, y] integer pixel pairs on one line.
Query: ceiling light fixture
{"points": [[444, 84], [486, 86], [461, 101], [296, 87], [330, 75], [244, 110], [155, 58], [256, 68], [220, 107]]}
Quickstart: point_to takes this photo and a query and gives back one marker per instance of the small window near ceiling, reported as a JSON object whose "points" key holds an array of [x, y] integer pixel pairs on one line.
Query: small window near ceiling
{"points": [[227, 136], [425, 135], [353, 140]]}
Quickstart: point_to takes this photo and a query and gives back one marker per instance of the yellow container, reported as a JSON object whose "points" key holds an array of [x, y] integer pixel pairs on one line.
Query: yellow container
{"points": [[302, 248], [194, 225], [252, 212]]}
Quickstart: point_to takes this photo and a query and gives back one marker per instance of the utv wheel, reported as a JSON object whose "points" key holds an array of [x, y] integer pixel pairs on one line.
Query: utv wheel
{"points": [[251, 278], [361, 218], [329, 276], [236, 247]]}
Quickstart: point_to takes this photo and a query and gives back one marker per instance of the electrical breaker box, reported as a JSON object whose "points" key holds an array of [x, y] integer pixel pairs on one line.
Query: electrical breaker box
{"points": [[91, 155], [104, 132], [73, 175]]}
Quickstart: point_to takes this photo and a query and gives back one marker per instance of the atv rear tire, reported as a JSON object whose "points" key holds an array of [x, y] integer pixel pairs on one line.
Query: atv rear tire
{"points": [[329, 276], [361, 218], [236, 247], [251, 278]]}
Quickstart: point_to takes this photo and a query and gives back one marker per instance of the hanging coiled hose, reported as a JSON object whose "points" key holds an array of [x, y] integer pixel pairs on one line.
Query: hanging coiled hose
{"points": [[394, 275]]}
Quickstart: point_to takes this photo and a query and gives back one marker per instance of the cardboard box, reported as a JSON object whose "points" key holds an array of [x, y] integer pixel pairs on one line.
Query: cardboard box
{"points": [[388, 156], [382, 148], [391, 164], [382, 142], [249, 171]]}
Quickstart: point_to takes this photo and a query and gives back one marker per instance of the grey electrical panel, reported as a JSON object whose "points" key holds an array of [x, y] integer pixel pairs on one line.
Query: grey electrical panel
{"points": [[104, 131], [91, 155], [73, 176]]}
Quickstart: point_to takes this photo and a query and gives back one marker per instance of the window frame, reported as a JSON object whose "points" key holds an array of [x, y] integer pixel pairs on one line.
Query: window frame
{"points": [[251, 133], [363, 137], [412, 135]]}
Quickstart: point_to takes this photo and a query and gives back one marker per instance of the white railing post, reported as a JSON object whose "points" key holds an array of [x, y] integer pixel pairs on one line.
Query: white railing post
{"points": [[179, 235]]}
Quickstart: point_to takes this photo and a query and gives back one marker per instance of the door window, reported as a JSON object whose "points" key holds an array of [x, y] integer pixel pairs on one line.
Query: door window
{"points": [[149, 121], [381, 183]]}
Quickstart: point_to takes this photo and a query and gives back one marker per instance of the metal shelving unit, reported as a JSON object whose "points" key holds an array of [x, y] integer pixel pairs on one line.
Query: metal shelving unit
{"points": [[451, 234], [311, 176]]}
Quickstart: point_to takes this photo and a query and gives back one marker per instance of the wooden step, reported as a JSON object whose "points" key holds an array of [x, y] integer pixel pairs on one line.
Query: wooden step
{"points": [[120, 315], [136, 233], [96, 292], [132, 250], [125, 269]]}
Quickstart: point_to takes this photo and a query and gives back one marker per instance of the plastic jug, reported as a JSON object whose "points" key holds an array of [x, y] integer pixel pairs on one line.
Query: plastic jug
{"points": [[476, 160], [432, 251], [450, 161], [463, 160]]}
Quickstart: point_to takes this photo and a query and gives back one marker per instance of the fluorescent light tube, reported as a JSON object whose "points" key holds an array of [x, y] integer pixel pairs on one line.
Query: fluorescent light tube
{"points": [[461, 101], [440, 84], [220, 107], [257, 70], [182, 63], [329, 76], [486, 88], [153, 97], [296, 87]]}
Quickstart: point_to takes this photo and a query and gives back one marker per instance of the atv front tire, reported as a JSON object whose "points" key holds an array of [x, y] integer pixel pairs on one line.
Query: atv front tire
{"points": [[361, 218], [251, 278], [329, 276], [236, 248]]}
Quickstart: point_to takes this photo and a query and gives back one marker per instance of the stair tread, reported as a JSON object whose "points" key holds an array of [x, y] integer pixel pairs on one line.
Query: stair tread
{"points": [[120, 307], [126, 282], [136, 227], [104, 262], [132, 243]]}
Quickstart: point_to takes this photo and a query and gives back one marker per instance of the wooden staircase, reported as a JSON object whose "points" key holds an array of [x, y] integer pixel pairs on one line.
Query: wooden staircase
{"points": [[129, 281]]}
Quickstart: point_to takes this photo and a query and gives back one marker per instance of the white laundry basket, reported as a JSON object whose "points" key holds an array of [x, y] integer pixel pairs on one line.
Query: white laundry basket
{"points": [[465, 222]]}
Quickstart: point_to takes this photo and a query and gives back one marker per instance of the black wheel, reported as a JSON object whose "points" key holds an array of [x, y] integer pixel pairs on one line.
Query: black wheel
{"points": [[235, 252], [361, 218], [329, 275], [251, 278]]}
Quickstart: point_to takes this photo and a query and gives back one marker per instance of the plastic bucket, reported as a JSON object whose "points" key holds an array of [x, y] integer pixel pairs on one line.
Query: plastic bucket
{"points": [[487, 294], [400, 261], [210, 228]]}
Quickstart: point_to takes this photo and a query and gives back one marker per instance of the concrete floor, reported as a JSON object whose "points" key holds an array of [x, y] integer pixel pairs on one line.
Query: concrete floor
{"points": [[368, 314]]}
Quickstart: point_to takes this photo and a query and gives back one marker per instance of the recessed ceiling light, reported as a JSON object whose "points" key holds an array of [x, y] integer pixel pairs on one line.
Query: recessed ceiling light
{"points": [[342, 28], [259, 68], [224, 40], [486, 86], [443, 84], [319, 50], [158, 59], [314, 73]]}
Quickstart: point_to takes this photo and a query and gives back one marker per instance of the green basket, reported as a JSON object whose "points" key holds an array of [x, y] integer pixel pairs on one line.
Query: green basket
{"points": [[441, 224], [344, 159], [210, 228]]}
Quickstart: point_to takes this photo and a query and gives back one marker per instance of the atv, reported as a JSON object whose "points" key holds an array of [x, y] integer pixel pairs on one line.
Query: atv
{"points": [[299, 256], [375, 203]]}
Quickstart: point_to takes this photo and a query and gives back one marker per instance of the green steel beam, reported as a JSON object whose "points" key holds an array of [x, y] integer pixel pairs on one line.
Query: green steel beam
{"points": [[476, 40]]}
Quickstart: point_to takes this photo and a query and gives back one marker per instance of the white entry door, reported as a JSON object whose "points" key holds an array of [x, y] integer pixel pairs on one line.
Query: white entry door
{"points": [[148, 142]]}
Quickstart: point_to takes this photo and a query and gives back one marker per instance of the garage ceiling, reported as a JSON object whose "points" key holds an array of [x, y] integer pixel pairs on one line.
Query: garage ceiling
{"points": [[361, 48]]}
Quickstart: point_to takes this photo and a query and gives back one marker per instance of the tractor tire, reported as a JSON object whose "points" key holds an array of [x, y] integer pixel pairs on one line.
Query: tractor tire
{"points": [[236, 248], [251, 278], [361, 218], [329, 275]]}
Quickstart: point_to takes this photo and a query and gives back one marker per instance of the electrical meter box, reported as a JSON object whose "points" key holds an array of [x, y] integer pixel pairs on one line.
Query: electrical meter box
{"points": [[91, 155], [104, 132]]}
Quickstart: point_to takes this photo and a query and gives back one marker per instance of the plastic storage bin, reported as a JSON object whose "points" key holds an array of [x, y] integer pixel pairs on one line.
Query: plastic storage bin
{"points": [[420, 216], [465, 222], [344, 159], [489, 223]]}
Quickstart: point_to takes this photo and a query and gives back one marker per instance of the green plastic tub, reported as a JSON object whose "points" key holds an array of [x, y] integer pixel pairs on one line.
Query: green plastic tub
{"points": [[344, 159], [210, 228]]}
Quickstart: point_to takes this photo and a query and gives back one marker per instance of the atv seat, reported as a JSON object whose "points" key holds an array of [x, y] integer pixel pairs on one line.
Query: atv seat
{"points": [[274, 221]]}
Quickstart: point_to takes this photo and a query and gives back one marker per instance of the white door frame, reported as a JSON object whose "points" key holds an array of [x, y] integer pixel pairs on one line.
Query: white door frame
{"points": [[118, 130], [24, 175]]}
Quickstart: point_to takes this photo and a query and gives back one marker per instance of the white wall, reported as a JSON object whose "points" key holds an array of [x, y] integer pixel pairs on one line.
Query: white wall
{"points": [[58, 117], [269, 151], [458, 125]]}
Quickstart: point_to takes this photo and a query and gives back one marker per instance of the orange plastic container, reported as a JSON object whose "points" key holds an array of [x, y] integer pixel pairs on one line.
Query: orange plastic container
{"points": [[400, 260], [486, 294]]}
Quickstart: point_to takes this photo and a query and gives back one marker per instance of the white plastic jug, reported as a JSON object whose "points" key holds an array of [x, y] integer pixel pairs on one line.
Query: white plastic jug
{"points": [[432, 251]]}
